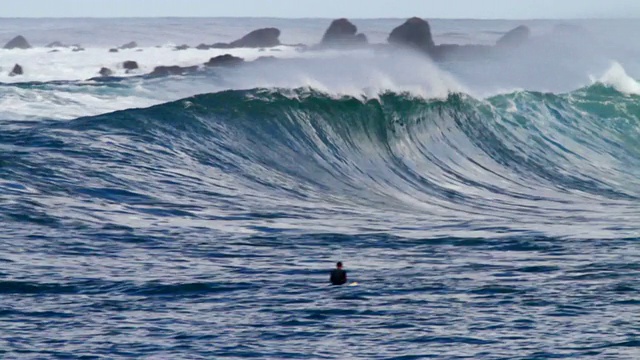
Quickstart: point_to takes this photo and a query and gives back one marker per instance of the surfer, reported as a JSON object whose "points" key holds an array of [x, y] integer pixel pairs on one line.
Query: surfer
{"points": [[338, 276]]}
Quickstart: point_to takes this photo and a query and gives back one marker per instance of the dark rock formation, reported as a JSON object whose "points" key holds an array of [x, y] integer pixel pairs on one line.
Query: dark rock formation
{"points": [[130, 65], [342, 32], [220, 46], [56, 44], [105, 72], [17, 70], [172, 70], [414, 33], [515, 37], [18, 42], [261, 38], [113, 50], [129, 45], [267, 37], [182, 47], [224, 60]]}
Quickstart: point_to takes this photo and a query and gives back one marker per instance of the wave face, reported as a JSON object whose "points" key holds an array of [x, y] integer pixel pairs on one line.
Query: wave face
{"points": [[308, 161]]}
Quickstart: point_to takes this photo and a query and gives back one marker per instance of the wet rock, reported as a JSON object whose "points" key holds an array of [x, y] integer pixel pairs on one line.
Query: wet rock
{"points": [[129, 45], [17, 70], [266, 37], [130, 65], [172, 70], [414, 33], [224, 60], [18, 42], [342, 32], [105, 72], [220, 46]]}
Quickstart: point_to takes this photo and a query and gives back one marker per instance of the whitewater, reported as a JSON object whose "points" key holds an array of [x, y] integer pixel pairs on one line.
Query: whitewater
{"points": [[488, 207]]}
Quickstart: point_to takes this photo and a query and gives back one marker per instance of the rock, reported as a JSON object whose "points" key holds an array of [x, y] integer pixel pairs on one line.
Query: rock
{"points": [[77, 48], [515, 37], [266, 37], [130, 65], [56, 44], [220, 46], [113, 50], [414, 33], [203, 47], [18, 42], [182, 47], [172, 70], [17, 70], [224, 60], [105, 72], [129, 45], [342, 32]]}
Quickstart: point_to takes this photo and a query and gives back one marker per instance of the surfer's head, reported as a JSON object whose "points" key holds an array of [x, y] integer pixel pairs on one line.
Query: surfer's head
{"points": [[339, 264]]}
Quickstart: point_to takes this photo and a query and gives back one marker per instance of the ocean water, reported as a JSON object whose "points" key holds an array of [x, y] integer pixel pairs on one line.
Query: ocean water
{"points": [[487, 208]]}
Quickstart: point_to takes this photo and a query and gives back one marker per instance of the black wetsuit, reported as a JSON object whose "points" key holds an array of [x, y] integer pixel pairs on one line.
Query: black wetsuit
{"points": [[338, 277]]}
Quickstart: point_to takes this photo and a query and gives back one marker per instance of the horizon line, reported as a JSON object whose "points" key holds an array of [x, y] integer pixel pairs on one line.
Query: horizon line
{"points": [[319, 18]]}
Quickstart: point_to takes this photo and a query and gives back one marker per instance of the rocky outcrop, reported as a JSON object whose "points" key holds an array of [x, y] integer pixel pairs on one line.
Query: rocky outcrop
{"points": [[342, 32], [172, 70], [17, 70], [130, 65], [114, 50], [18, 42], [514, 38], [181, 47], [414, 33], [261, 38], [105, 72], [266, 37], [224, 60], [129, 45]]}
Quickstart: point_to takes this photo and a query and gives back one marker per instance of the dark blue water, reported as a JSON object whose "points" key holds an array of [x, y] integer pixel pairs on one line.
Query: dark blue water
{"points": [[205, 228]]}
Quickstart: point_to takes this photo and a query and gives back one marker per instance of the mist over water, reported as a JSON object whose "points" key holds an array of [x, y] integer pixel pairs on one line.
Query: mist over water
{"points": [[488, 207]]}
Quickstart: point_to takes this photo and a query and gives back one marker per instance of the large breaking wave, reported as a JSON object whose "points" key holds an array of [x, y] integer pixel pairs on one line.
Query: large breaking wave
{"points": [[293, 160]]}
